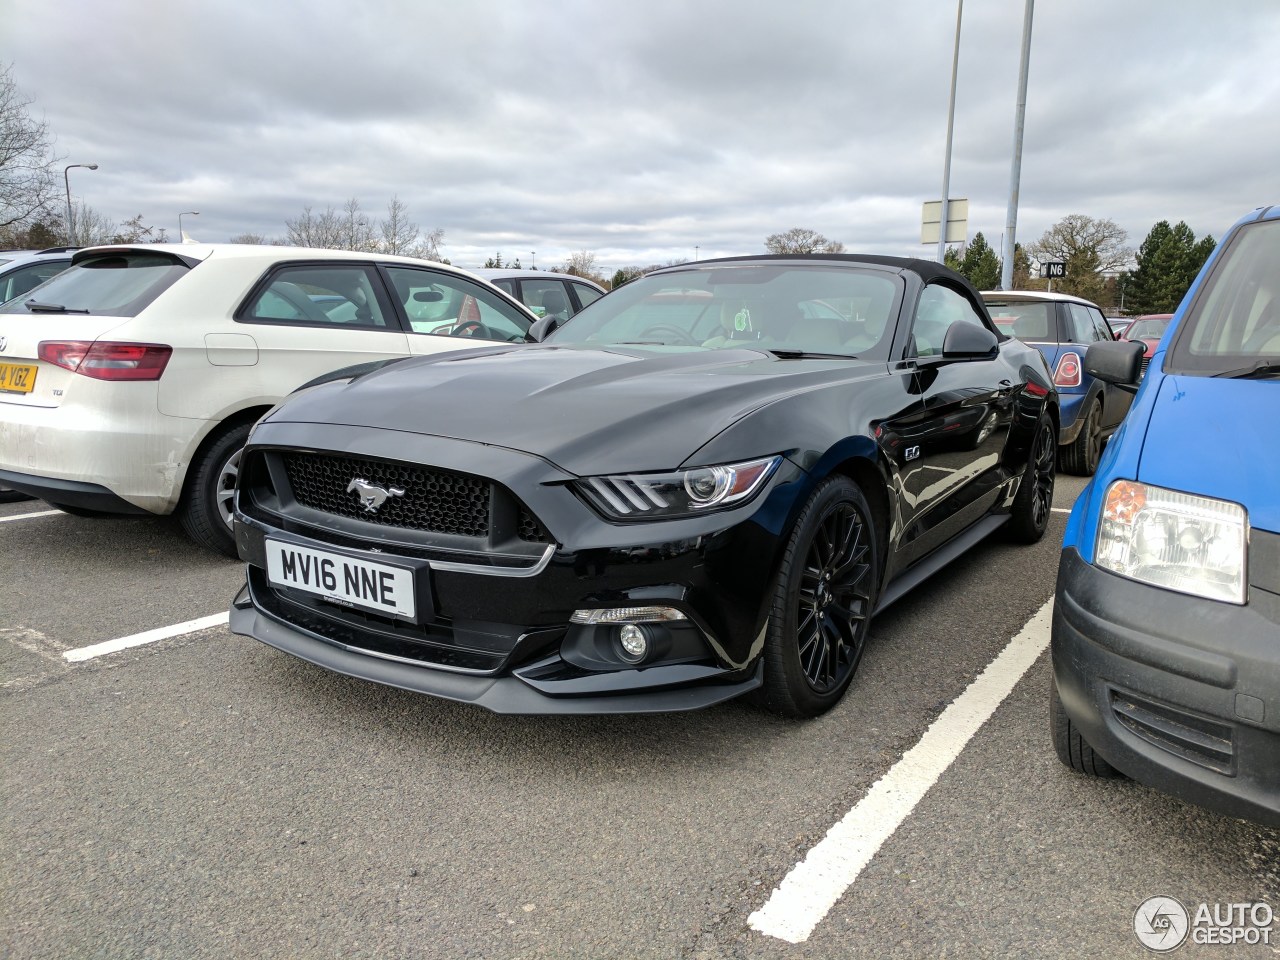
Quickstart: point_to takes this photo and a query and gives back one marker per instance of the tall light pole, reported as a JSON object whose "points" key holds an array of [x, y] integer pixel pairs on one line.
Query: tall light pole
{"points": [[951, 122], [71, 230], [533, 257], [1015, 174], [182, 237]]}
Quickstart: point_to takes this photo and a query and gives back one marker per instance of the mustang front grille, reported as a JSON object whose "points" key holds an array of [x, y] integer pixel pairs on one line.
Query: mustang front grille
{"points": [[416, 498]]}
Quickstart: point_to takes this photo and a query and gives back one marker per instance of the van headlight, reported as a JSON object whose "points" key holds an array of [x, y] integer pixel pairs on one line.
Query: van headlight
{"points": [[681, 493], [1174, 540]]}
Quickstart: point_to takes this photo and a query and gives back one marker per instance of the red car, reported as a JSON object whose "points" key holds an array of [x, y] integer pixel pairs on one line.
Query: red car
{"points": [[1149, 329]]}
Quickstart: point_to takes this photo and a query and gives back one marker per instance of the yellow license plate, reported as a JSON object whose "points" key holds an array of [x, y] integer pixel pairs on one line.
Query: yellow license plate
{"points": [[17, 377]]}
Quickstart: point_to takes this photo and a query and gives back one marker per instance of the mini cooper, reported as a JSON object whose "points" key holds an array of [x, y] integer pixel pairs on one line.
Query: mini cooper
{"points": [[703, 485]]}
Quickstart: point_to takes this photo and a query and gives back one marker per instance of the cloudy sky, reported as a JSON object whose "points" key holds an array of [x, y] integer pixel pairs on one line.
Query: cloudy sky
{"points": [[643, 132]]}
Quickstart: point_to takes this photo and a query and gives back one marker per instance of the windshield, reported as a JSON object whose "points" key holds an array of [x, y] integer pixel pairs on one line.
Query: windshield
{"points": [[1146, 330], [113, 285], [1234, 322], [1024, 319], [804, 308]]}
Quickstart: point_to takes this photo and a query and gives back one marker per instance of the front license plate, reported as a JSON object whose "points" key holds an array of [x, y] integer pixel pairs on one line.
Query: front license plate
{"points": [[17, 377], [348, 581]]}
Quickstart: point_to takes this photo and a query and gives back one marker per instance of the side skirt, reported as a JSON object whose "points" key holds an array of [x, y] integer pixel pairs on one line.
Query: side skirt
{"points": [[926, 567]]}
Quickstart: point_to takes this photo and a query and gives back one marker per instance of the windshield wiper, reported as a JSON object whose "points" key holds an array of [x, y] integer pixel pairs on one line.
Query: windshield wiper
{"points": [[785, 354], [1261, 368], [36, 306]]}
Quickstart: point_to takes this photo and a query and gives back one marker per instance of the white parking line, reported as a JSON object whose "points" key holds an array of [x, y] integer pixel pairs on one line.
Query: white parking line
{"points": [[28, 516], [814, 885], [147, 636], [1060, 509]]}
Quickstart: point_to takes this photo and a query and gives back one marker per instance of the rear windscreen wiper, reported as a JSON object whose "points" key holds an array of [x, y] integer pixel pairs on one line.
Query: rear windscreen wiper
{"points": [[1261, 368], [36, 306]]}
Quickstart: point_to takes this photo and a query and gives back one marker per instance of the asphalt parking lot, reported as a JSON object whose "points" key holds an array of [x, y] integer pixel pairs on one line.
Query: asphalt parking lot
{"points": [[202, 795]]}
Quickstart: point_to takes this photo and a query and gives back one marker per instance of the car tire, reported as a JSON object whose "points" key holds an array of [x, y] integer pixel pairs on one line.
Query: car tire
{"points": [[1081, 455], [1072, 749], [823, 596], [1029, 516], [205, 510]]}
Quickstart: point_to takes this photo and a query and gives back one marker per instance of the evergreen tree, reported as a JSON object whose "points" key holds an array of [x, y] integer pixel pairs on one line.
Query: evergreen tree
{"points": [[980, 265], [1168, 261]]}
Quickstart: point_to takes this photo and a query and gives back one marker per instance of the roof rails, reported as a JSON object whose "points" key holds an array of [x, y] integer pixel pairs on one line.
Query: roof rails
{"points": [[59, 250]]}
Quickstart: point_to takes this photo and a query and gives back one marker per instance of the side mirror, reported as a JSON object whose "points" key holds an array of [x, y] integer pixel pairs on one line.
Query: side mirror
{"points": [[543, 327], [968, 341], [1116, 361]]}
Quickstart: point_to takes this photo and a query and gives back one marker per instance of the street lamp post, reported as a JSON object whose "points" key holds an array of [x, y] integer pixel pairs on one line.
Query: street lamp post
{"points": [[182, 237], [533, 257], [66, 180]]}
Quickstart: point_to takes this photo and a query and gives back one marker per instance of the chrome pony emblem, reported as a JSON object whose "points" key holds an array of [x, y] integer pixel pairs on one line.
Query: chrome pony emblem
{"points": [[372, 497]]}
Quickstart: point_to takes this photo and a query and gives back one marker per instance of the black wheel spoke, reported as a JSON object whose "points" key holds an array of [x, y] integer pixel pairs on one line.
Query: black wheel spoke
{"points": [[833, 597]]}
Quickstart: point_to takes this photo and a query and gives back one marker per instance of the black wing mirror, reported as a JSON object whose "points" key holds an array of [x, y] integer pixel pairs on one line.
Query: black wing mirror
{"points": [[965, 341], [1116, 361], [543, 327]]}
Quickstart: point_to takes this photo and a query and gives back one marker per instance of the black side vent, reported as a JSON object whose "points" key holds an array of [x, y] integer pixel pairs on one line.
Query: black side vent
{"points": [[1207, 743]]}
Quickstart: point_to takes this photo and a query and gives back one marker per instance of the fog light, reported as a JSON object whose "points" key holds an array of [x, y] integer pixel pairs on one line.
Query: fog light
{"points": [[634, 643]]}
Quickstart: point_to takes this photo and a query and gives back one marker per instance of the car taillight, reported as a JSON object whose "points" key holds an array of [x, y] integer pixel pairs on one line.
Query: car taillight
{"points": [[1068, 372], [107, 361]]}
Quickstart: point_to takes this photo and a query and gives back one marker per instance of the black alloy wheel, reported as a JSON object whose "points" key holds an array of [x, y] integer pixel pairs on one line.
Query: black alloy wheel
{"points": [[824, 596], [1029, 516]]}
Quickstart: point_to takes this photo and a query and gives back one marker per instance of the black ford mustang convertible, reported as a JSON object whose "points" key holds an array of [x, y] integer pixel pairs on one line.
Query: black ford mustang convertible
{"points": [[703, 485]]}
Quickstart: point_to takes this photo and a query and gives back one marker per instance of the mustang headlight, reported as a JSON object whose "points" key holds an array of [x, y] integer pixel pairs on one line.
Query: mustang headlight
{"points": [[1174, 540], [660, 496]]}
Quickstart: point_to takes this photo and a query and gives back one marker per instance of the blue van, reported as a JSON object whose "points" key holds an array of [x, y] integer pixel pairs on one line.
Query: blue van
{"points": [[1166, 624]]}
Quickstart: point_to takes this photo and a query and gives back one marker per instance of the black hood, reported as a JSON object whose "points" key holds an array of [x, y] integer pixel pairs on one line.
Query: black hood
{"points": [[587, 411]]}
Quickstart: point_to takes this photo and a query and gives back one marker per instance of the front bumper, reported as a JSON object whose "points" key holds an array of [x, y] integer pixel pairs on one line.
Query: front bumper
{"points": [[1178, 692], [511, 693], [495, 629]]}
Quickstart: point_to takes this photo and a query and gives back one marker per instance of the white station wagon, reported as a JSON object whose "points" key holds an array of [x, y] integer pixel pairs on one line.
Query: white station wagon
{"points": [[129, 382]]}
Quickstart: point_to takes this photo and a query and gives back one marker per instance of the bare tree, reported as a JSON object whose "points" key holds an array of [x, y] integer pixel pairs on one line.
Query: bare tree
{"points": [[323, 231], [28, 178], [357, 231], [801, 240], [249, 238], [353, 230], [399, 233], [581, 264], [1077, 235], [91, 227], [428, 247]]}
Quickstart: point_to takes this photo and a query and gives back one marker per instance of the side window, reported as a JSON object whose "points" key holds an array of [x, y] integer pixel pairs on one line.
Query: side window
{"points": [[545, 297], [586, 294], [314, 295], [1082, 330], [446, 305], [938, 309], [507, 285], [1102, 330]]}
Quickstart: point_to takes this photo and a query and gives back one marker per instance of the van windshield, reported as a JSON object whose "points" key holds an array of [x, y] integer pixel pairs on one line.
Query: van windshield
{"points": [[1234, 323]]}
